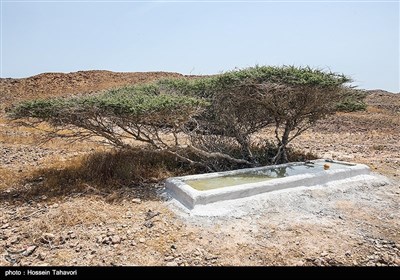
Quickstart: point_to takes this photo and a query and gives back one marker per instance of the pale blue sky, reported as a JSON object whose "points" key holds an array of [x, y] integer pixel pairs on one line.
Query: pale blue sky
{"points": [[360, 39]]}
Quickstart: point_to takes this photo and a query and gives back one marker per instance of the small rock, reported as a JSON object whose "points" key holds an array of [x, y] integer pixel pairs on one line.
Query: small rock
{"points": [[199, 251], [173, 247], [14, 239], [55, 205], [171, 264], [149, 224], [115, 239], [324, 254], [347, 253], [72, 245], [128, 214], [106, 240], [5, 236], [133, 243], [24, 263], [210, 257], [169, 258], [151, 214], [142, 240], [136, 200], [386, 258], [42, 256], [28, 251], [318, 262], [10, 259], [299, 263], [48, 237], [5, 226]]}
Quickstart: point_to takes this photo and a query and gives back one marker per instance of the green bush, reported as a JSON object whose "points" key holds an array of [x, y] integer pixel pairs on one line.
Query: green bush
{"points": [[352, 101]]}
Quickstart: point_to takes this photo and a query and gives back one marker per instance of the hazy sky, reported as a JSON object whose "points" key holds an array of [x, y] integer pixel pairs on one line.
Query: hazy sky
{"points": [[360, 39]]}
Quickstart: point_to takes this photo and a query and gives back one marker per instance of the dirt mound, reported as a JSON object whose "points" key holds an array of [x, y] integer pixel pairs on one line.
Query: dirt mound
{"points": [[61, 84]]}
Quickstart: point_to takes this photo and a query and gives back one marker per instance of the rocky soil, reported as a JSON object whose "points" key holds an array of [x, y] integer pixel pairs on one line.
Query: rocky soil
{"points": [[356, 226]]}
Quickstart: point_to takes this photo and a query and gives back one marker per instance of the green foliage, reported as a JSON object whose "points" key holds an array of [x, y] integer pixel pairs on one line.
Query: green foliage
{"points": [[134, 102], [352, 101], [40, 108], [350, 105], [288, 75]]}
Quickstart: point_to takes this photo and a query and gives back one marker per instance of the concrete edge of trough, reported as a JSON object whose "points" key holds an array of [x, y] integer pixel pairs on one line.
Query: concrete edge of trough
{"points": [[191, 197]]}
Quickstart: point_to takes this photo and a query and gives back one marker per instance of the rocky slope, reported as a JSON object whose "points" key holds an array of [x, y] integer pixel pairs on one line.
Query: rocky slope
{"points": [[61, 84]]}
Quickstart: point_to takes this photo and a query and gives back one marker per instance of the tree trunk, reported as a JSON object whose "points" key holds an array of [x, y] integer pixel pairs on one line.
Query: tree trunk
{"points": [[245, 145], [281, 155]]}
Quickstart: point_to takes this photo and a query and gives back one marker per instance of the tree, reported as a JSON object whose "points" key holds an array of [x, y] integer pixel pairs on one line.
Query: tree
{"points": [[208, 121], [245, 101], [118, 116]]}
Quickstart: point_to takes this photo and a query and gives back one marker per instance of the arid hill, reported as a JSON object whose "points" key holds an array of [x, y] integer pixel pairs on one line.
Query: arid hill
{"points": [[64, 84], [383, 100]]}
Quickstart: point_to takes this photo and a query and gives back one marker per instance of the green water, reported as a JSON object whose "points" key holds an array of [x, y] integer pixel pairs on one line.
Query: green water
{"points": [[259, 176], [226, 181]]}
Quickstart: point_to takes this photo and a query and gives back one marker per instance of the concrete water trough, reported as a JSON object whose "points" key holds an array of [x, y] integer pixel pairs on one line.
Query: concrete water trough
{"points": [[208, 188]]}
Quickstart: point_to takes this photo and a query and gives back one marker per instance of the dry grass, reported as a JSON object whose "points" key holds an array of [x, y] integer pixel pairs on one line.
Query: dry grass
{"points": [[376, 110], [73, 214], [110, 173], [8, 178]]}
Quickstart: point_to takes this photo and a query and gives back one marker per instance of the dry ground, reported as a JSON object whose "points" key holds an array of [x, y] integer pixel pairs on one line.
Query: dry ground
{"points": [[133, 226]]}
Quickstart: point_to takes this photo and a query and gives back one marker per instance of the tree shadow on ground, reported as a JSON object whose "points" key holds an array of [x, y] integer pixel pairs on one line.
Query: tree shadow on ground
{"points": [[114, 175]]}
